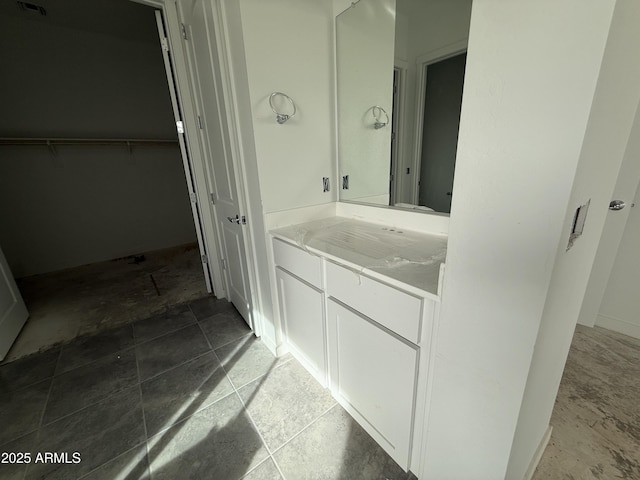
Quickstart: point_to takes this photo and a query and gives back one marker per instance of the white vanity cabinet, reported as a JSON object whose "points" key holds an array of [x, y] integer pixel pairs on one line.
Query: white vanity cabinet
{"points": [[301, 302], [361, 326], [373, 376], [373, 355]]}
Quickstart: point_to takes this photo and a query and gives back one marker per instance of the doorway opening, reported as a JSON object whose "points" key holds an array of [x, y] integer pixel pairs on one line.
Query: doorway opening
{"points": [[443, 84], [97, 218]]}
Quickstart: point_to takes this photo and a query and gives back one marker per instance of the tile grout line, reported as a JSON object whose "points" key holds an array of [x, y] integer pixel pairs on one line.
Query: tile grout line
{"points": [[307, 427], [204, 335], [250, 332], [244, 407], [255, 426], [144, 420], [46, 403], [180, 365], [44, 409], [84, 475], [110, 395], [136, 342], [174, 367], [259, 376], [104, 357], [183, 419]]}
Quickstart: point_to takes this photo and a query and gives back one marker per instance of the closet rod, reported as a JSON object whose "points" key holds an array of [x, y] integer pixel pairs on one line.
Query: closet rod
{"points": [[86, 141]]}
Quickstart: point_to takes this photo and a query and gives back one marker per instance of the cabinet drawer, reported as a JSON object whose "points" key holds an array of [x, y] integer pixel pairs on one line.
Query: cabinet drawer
{"points": [[399, 311], [295, 260]]}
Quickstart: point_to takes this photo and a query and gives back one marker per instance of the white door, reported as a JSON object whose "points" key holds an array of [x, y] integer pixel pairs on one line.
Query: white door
{"points": [[200, 30], [13, 312], [186, 161]]}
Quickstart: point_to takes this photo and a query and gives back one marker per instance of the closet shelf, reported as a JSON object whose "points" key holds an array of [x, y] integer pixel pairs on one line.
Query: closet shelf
{"points": [[49, 142]]}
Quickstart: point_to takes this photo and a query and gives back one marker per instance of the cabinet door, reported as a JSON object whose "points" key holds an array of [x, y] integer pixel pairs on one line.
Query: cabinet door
{"points": [[302, 314], [373, 376]]}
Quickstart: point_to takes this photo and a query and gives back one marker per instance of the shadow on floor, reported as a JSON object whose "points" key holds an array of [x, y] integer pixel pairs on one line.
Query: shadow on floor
{"points": [[188, 394]]}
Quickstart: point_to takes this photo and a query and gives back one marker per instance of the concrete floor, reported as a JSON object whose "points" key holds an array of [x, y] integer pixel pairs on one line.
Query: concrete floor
{"points": [[596, 418], [97, 297]]}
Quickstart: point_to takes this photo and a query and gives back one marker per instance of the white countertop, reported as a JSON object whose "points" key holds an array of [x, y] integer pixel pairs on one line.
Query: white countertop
{"points": [[413, 259]]}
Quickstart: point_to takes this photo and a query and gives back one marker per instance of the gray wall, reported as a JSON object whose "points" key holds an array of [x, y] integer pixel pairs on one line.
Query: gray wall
{"points": [[68, 76]]}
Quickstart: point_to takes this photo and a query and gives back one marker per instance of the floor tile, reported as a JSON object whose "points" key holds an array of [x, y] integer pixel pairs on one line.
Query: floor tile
{"points": [[336, 447], [180, 392], [92, 383], [131, 465], [217, 442], [265, 471], [20, 411], [84, 350], [26, 444], [98, 433], [171, 320], [170, 350], [247, 359], [28, 370], [224, 327], [284, 402], [208, 306]]}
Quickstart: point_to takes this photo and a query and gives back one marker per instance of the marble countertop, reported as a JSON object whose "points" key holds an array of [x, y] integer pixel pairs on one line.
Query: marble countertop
{"points": [[409, 258]]}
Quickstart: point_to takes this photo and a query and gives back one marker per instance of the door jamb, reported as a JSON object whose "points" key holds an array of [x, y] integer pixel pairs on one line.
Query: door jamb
{"points": [[229, 95], [400, 182], [189, 119]]}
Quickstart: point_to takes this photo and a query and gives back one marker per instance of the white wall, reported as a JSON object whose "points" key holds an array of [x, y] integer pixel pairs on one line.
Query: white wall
{"points": [[621, 303], [614, 228], [610, 123], [364, 63], [532, 69], [86, 204], [288, 46]]}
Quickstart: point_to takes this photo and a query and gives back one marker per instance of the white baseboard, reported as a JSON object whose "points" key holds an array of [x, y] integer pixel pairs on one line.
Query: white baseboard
{"points": [[538, 455], [271, 345], [618, 325]]}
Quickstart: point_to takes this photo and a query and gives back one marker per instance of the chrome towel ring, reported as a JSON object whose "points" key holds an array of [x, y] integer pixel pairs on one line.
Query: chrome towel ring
{"points": [[280, 116], [377, 112]]}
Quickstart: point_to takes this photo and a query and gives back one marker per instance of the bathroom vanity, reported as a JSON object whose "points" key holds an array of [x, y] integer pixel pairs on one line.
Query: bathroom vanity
{"points": [[358, 306]]}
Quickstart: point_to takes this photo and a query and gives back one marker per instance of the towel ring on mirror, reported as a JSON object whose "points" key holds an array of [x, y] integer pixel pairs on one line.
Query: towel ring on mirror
{"points": [[377, 112], [282, 117]]}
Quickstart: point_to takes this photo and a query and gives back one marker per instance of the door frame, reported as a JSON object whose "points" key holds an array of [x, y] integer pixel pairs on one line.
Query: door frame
{"points": [[400, 69], [184, 150], [422, 62], [188, 101]]}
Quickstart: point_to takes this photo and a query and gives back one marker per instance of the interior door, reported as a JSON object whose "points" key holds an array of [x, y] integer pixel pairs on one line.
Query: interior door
{"points": [[186, 160], [13, 312], [202, 53]]}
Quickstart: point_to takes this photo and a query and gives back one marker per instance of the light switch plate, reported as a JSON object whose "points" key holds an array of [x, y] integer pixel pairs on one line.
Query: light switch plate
{"points": [[577, 227]]}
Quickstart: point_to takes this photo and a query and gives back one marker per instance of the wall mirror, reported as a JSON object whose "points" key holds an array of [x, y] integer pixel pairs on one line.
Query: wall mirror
{"points": [[400, 73]]}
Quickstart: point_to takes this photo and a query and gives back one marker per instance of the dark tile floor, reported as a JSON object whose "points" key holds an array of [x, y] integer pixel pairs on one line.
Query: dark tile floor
{"points": [[187, 394]]}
